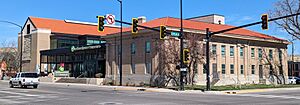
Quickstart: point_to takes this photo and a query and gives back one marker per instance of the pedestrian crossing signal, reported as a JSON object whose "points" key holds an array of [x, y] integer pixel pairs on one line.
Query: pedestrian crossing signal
{"points": [[186, 56]]}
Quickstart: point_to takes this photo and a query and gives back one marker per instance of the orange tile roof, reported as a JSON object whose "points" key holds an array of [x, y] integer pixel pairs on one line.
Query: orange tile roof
{"points": [[60, 26], [196, 25]]}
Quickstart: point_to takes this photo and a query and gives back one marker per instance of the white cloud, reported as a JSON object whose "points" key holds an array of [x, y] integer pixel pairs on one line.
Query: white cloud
{"points": [[238, 20]]}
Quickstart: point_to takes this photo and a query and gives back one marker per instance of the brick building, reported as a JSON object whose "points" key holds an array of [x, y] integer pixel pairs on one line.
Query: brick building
{"points": [[240, 56]]}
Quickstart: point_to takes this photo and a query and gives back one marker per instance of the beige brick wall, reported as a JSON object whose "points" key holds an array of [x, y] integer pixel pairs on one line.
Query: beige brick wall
{"points": [[225, 79]]}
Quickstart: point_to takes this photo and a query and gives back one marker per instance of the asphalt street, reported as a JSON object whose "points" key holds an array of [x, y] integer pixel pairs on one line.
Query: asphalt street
{"points": [[62, 94]]}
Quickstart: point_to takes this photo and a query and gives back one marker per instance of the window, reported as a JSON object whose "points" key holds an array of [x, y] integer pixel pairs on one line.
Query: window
{"points": [[259, 53], [195, 68], [204, 68], [231, 69], [252, 52], [64, 43], [133, 48], [271, 54], [252, 69], [231, 51], [241, 51], [132, 68], [280, 55], [148, 47], [223, 69], [242, 69], [223, 50], [214, 49], [148, 68], [119, 50], [28, 29]]}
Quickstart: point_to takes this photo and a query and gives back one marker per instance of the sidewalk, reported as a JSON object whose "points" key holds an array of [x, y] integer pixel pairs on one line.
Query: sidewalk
{"points": [[147, 89]]}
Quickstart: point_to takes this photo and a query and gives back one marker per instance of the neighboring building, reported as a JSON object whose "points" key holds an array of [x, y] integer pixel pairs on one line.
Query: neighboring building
{"points": [[240, 55], [79, 50], [71, 47], [294, 65]]}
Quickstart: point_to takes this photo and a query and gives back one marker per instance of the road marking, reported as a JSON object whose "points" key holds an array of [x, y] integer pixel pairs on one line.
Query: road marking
{"points": [[269, 96], [23, 94]]}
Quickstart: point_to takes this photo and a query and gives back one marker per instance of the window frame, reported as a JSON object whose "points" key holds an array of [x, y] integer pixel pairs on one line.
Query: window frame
{"points": [[223, 68], [223, 50], [231, 68]]}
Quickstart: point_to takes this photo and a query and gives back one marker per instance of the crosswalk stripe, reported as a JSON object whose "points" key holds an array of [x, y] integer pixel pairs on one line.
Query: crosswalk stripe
{"points": [[270, 96], [23, 94]]}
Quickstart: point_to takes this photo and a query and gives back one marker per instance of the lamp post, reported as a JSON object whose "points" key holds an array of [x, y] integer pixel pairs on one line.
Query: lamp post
{"points": [[21, 42], [121, 31]]}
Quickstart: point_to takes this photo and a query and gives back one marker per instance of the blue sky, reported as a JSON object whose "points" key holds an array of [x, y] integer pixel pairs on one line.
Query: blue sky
{"points": [[236, 12]]}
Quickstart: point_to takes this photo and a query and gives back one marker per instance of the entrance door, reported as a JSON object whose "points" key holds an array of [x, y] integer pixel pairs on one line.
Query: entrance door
{"points": [[260, 72], [214, 70]]}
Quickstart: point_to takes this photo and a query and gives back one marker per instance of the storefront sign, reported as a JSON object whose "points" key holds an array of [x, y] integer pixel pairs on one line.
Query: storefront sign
{"points": [[61, 74], [73, 48]]}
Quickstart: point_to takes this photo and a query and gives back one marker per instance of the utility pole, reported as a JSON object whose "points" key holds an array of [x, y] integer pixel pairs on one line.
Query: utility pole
{"points": [[121, 43], [207, 60], [181, 49]]}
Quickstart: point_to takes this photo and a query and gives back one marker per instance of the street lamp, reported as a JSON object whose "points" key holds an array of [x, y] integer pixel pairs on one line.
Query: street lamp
{"points": [[292, 55], [21, 44], [120, 72]]}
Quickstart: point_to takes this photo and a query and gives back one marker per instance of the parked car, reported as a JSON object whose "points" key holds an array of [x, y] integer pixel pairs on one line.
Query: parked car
{"points": [[24, 79], [294, 80]]}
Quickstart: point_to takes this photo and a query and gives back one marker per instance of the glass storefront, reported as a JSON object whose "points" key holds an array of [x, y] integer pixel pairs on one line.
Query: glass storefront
{"points": [[81, 57]]}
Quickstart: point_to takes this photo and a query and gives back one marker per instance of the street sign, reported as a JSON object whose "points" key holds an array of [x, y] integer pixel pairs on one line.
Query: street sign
{"points": [[175, 34], [110, 19], [183, 69]]}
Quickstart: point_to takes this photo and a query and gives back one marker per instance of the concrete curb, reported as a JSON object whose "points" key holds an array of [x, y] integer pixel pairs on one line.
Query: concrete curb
{"points": [[116, 88]]}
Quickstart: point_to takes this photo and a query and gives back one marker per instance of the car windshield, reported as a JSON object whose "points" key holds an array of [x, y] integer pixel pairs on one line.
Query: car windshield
{"points": [[29, 75]]}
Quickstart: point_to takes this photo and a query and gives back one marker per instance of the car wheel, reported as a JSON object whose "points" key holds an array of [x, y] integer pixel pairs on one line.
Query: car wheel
{"points": [[20, 84], [35, 86], [11, 85]]}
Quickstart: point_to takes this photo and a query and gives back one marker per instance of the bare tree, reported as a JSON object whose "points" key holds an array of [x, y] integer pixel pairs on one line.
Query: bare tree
{"points": [[168, 52], [10, 55], [197, 55], [291, 24], [169, 58], [272, 61]]}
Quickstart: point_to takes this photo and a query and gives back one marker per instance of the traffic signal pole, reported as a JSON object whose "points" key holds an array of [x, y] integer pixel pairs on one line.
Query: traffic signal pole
{"points": [[121, 43], [207, 60], [181, 49]]}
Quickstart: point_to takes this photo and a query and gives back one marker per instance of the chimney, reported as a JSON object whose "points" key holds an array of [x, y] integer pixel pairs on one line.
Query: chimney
{"points": [[213, 18], [141, 19]]}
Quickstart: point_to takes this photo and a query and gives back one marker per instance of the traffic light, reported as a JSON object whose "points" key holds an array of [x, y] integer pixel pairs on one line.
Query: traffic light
{"points": [[264, 19], [186, 56], [134, 25], [101, 23], [163, 32]]}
